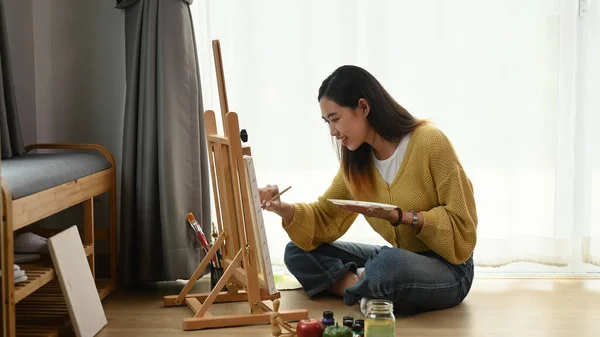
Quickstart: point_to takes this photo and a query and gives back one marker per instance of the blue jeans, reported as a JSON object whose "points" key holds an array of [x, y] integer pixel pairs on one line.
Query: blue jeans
{"points": [[412, 281]]}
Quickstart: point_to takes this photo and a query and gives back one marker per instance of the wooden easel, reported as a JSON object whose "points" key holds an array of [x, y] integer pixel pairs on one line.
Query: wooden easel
{"points": [[237, 228]]}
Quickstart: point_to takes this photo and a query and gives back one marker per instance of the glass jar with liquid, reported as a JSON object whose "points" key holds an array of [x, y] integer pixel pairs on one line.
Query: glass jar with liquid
{"points": [[379, 319]]}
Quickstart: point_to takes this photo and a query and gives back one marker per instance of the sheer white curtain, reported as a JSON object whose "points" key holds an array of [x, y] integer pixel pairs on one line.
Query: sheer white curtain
{"points": [[589, 139], [501, 78]]}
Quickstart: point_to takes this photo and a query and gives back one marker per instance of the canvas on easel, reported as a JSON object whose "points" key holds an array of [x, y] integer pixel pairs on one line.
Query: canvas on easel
{"points": [[265, 267], [242, 239]]}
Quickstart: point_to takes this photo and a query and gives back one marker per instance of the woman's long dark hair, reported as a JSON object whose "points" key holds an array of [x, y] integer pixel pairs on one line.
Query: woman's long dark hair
{"points": [[345, 86]]}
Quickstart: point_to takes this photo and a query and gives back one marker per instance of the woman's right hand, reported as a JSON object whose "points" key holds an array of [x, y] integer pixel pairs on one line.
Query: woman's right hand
{"points": [[266, 194], [283, 209]]}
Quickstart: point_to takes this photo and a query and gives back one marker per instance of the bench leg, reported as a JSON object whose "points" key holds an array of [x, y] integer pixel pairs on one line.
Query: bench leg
{"points": [[112, 204], [7, 252], [88, 231]]}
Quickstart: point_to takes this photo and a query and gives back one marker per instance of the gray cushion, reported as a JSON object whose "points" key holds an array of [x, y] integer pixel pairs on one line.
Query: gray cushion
{"points": [[32, 173]]}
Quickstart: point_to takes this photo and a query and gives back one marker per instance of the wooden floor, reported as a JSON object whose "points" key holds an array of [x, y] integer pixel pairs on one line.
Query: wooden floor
{"points": [[498, 307]]}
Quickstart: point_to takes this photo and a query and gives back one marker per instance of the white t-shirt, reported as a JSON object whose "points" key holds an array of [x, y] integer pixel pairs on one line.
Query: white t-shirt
{"points": [[388, 168]]}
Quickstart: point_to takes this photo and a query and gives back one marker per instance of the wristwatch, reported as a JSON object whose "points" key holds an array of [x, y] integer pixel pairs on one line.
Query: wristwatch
{"points": [[399, 221]]}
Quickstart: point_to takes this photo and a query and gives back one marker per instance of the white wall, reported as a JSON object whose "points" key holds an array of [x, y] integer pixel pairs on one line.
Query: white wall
{"points": [[80, 72], [69, 68]]}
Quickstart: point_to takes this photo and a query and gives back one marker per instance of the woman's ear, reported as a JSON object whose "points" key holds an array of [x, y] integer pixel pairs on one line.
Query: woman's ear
{"points": [[363, 106]]}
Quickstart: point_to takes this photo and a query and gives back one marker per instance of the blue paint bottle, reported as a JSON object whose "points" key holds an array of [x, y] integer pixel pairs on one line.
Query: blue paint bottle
{"points": [[328, 319]]}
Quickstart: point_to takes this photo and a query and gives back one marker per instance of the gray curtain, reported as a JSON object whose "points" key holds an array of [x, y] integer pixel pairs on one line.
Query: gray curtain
{"points": [[10, 127], [165, 172]]}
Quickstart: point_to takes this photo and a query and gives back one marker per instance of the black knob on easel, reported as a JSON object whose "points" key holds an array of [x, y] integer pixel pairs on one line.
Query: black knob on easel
{"points": [[244, 135]]}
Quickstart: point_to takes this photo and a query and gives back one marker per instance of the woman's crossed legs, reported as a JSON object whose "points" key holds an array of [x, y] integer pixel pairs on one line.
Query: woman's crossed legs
{"points": [[420, 281]]}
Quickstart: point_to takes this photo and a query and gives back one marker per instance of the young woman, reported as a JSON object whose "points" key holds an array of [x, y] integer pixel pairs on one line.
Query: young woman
{"points": [[387, 156]]}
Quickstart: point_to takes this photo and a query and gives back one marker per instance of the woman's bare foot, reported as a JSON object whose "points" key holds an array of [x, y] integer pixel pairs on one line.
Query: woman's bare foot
{"points": [[348, 280]]}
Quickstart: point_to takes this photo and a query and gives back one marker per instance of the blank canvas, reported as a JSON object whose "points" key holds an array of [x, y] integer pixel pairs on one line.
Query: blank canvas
{"points": [[77, 283], [259, 229]]}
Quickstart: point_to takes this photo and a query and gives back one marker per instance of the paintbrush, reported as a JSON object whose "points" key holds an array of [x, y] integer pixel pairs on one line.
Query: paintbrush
{"points": [[275, 197], [196, 226]]}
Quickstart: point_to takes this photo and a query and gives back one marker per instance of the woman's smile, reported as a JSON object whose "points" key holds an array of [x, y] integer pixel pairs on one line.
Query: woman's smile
{"points": [[344, 140]]}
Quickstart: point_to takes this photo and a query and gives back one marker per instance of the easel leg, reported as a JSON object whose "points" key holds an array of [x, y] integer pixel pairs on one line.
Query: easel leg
{"points": [[240, 320], [201, 267], [213, 294], [222, 297]]}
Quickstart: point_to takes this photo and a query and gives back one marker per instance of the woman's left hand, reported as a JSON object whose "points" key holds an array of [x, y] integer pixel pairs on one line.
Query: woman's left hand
{"points": [[373, 212]]}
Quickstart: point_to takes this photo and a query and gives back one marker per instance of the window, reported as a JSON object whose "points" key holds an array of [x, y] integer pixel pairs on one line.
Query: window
{"points": [[512, 83]]}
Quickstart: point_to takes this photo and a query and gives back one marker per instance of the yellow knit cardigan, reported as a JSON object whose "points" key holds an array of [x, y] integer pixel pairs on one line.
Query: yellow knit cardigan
{"points": [[430, 180]]}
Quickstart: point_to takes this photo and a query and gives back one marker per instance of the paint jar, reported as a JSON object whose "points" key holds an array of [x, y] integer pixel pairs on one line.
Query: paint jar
{"points": [[357, 331], [379, 319], [348, 321], [328, 319]]}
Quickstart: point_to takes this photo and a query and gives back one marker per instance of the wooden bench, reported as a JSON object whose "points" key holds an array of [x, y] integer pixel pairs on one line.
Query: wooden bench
{"points": [[34, 187]]}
